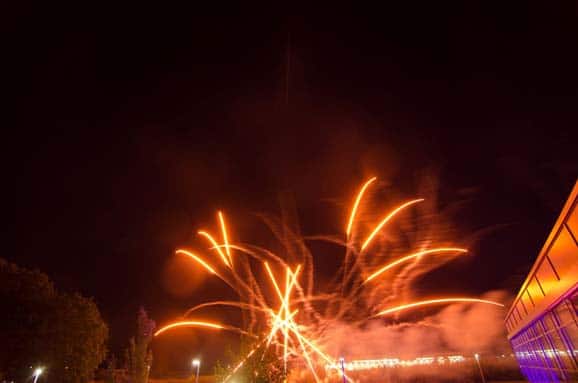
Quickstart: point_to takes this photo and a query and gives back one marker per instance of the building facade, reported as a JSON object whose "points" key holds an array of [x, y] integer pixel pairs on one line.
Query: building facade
{"points": [[542, 323]]}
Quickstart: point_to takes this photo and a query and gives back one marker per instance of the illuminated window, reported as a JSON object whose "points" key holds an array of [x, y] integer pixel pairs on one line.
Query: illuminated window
{"points": [[564, 254], [574, 301], [518, 311], [546, 275], [521, 304], [560, 349], [528, 303], [572, 221], [564, 314], [535, 291]]}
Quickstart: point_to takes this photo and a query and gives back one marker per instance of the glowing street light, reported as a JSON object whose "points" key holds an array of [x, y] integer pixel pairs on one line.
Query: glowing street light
{"points": [[197, 363], [477, 356], [37, 373]]}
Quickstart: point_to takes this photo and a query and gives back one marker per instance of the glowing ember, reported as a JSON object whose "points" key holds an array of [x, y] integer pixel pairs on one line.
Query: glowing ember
{"points": [[294, 320]]}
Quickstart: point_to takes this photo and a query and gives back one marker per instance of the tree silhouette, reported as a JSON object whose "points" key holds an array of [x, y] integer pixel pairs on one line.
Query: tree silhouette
{"points": [[139, 356], [40, 326]]}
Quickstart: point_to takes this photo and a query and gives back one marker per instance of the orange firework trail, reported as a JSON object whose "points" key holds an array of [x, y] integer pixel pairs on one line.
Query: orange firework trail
{"points": [[412, 256], [386, 220], [292, 319], [215, 246], [210, 325], [198, 259], [225, 237], [436, 302], [356, 205]]}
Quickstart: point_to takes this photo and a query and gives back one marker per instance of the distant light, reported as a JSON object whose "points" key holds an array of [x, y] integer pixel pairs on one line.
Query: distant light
{"points": [[37, 373], [196, 362], [477, 356]]}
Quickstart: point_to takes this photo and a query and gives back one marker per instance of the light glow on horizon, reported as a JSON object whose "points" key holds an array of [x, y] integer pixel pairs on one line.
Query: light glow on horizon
{"points": [[369, 364]]}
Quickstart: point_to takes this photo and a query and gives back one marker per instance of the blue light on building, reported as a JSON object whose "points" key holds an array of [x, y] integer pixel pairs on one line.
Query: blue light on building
{"points": [[542, 323]]}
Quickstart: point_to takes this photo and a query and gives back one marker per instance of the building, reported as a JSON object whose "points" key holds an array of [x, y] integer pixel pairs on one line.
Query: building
{"points": [[542, 323]]}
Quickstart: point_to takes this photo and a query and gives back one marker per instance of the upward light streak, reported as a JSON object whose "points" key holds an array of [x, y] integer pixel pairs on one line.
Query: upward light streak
{"points": [[412, 256], [356, 205], [238, 366], [277, 318], [215, 246], [434, 302], [287, 315], [387, 219], [283, 320], [225, 236]]}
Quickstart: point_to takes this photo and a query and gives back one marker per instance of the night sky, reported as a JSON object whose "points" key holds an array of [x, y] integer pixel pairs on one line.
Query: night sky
{"points": [[132, 125]]}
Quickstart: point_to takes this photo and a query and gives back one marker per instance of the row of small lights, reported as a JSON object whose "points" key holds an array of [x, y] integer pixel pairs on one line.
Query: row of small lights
{"points": [[396, 362], [548, 352]]}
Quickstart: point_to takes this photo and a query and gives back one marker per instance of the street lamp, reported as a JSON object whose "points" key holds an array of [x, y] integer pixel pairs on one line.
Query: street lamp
{"points": [[37, 373], [197, 363], [342, 361], [477, 356]]}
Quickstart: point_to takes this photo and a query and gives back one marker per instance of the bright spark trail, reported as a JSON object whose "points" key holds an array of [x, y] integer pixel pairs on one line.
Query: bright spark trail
{"points": [[210, 325], [430, 302], [389, 216], [356, 205], [412, 256], [291, 322]]}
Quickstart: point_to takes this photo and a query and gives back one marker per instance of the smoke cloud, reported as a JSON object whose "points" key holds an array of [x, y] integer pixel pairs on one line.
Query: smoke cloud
{"points": [[457, 328]]}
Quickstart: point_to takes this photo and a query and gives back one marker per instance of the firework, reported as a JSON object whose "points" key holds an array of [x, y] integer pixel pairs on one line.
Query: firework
{"points": [[293, 321], [412, 256], [215, 246], [190, 324], [388, 218], [356, 205], [430, 302]]}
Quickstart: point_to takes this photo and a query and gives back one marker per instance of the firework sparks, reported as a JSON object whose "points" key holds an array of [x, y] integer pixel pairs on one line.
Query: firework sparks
{"points": [[356, 205], [413, 256], [198, 259], [293, 325], [210, 325], [388, 218], [225, 237], [216, 246], [430, 302]]}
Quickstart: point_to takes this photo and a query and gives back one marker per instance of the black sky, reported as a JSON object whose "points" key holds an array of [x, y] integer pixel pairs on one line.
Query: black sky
{"points": [[134, 123]]}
